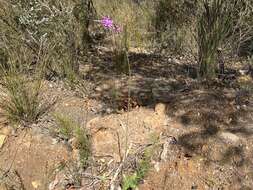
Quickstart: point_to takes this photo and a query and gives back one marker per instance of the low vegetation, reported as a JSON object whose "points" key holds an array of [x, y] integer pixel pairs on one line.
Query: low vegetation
{"points": [[124, 54], [70, 130], [21, 100]]}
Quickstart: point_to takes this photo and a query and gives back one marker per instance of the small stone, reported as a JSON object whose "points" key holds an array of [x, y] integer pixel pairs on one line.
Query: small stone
{"points": [[108, 110], [157, 166], [36, 184], [5, 131], [102, 160], [98, 89], [74, 143], [229, 137], [2, 140], [54, 141], [160, 109], [175, 61]]}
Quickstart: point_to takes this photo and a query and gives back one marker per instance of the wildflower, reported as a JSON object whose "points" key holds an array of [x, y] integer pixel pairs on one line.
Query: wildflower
{"points": [[107, 22]]}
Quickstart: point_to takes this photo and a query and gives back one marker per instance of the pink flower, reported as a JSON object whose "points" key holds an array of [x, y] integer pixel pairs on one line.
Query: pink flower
{"points": [[107, 22]]}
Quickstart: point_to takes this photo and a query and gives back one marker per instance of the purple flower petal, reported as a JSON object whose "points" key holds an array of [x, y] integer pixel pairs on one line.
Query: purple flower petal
{"points": [[107, 22]]}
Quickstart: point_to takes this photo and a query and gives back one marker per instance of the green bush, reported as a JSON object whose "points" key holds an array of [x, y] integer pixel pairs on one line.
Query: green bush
{"points": [[143, 166], [132, 181]]}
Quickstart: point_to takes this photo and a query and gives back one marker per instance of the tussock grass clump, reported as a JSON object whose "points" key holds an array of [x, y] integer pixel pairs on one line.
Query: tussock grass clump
{"points": [[68, 128], [213, 26], [84, 146], [21, 100], [66, 125]]}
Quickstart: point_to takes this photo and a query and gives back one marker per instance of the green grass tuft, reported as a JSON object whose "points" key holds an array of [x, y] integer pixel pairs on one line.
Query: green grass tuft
{"points": [[21, 102]]}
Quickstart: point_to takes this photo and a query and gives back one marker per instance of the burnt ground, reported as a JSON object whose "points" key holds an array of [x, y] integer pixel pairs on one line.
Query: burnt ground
{"points": [[210, 122]]}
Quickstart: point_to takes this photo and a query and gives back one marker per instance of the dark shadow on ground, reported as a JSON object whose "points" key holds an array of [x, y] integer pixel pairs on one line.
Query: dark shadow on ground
{"points": [[154, 78], [211, 106]]}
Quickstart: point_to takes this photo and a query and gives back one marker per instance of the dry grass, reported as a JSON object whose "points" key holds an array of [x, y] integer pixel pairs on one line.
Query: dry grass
{"points": [[21, 101]]}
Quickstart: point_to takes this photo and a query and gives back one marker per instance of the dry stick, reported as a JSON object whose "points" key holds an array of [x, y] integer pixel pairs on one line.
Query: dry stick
{"points": [[119, 146], [85, 125], [128, 97], [119, 170], [20, 180]]}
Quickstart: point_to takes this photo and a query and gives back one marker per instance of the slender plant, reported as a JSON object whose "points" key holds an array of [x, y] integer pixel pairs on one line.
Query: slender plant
{"points": [[213, 26]]}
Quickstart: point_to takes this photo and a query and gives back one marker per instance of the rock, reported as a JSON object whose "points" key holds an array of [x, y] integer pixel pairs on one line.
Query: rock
{"points": [[157, 166], [160, 109], [229, 137], [170, 150], [55, 141], [43, 157], [230, 93]]}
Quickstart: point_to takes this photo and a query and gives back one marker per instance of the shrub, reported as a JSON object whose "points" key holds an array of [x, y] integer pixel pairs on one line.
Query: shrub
{"points": [[54, 27], [174, 13], [21, 98], [213, 26], [172, 22], [242, 38]]}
